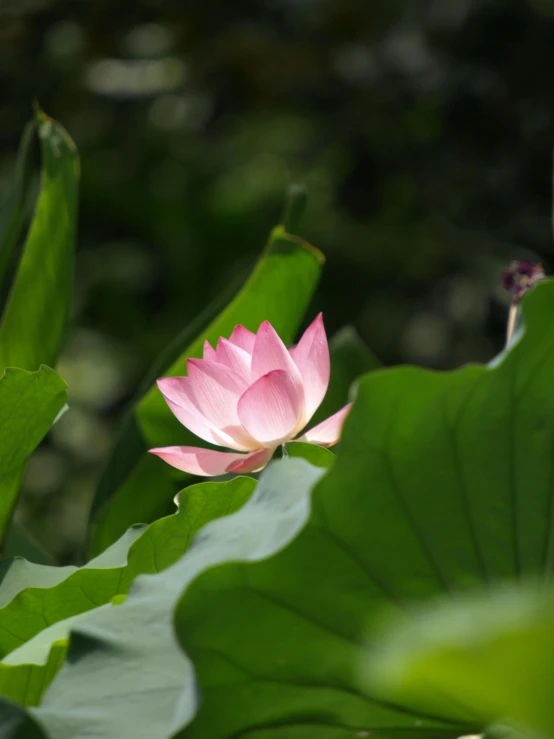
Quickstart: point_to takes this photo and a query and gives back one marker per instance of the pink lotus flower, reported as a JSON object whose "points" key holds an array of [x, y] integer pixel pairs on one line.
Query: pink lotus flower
{"points": [[251, 394]]}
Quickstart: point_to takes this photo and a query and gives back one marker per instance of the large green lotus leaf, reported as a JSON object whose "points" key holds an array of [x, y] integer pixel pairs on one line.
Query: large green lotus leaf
{"points": [[494, 652], [442, 483], [40, 604], [35, 317], [26, 672], [29, 404], [279, 290], [26, 682], [33, 597], [125, 672], [37, 650], [165, 541]]}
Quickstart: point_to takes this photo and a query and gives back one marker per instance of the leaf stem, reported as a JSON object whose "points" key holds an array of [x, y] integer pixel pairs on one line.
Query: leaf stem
{"points": [[512, 318]]}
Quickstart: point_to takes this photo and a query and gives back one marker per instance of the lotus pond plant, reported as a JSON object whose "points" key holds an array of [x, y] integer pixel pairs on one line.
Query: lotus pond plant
{"points": [[259, 608]]}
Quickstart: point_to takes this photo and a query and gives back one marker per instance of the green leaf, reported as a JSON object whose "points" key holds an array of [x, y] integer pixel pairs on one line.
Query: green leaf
{"points": [[25, 683], [166, 540], [33, 322], [494, 653], [127, 655], [350, 359], [278, 290], [35, 316], [50, 644], [36, 596], [29, 403], [12, 210], [442, 483], [316, 455], [40, 604]]}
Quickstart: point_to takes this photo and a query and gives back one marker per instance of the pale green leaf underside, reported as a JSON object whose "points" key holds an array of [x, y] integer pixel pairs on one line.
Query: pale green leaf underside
{"points": [[110, 649], [40, 603]]}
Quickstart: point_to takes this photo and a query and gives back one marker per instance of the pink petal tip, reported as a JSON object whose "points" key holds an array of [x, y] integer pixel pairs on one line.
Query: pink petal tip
{"points": [[327, 433]]}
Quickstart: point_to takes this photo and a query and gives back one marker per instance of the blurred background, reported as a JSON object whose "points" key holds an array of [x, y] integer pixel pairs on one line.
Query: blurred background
{"points": [[423, 132]]}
